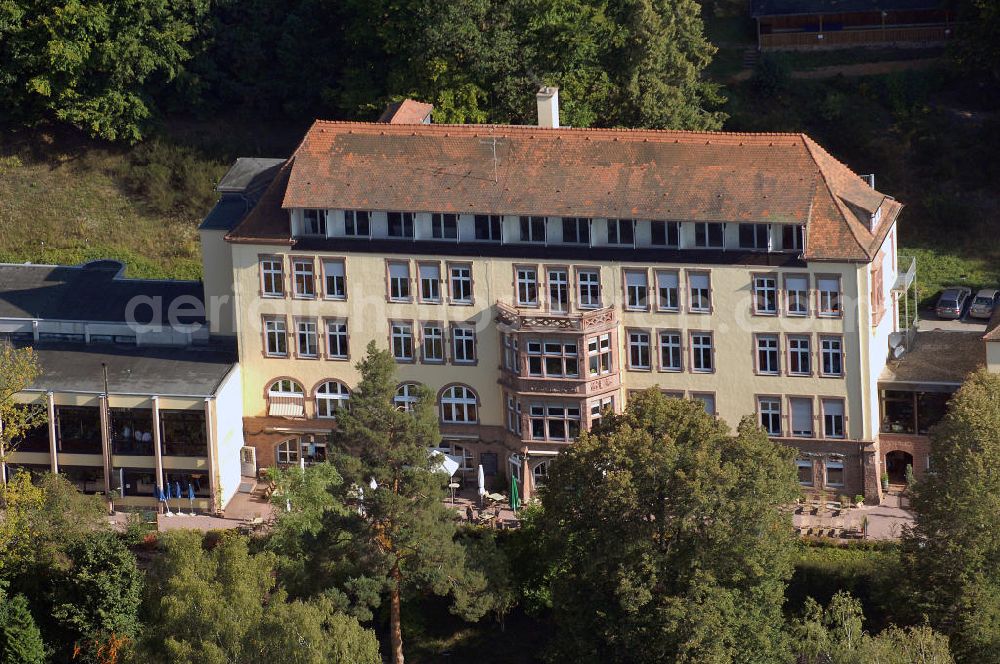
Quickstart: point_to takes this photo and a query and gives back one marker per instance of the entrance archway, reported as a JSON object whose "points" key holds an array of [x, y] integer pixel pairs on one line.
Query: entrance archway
{"points": [[895, 465]]}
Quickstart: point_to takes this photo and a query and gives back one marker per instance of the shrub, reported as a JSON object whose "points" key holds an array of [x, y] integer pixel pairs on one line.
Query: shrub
{"points": [[771, 76], [170, 178]]}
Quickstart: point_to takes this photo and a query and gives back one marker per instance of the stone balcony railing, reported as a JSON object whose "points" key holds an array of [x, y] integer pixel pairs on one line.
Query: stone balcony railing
{"points": [[583, 386], [537, 320]]}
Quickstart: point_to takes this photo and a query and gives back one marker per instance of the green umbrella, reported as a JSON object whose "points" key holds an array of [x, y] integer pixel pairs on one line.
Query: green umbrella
{"points": [[515, 500]]}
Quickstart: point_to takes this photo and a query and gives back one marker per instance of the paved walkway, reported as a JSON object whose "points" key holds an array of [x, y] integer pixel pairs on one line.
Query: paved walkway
{"points": [[245, 509], [884, 522]]}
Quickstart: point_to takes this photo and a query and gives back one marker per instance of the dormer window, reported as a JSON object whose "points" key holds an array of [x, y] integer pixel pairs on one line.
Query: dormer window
{"points": [[709, 235], [400, 224], [314, 222], [664, 233], [875, 218], [444, 226], [357, 223], [532, 229], [755, 236], [621, 231], [792, 238]]}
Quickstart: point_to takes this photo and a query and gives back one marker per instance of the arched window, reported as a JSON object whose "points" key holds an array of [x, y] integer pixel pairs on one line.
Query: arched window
{"points": [[285, 398], [459, 403], [330, 397], [406, 396], [540, 473]]}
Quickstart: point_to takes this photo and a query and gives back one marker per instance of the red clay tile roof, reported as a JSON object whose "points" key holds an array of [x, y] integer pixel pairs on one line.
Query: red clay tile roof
{"points": [[645, 174], [407, 111]]}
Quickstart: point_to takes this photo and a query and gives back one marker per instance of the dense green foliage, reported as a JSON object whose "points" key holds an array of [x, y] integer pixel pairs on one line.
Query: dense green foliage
{"points": [[670, 546], [836, 635], [92, 64], [951, 556], [220, 603], [20, 639]]}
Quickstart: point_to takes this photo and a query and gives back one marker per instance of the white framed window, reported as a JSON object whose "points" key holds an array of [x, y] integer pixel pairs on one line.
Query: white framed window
{"points": [[461, 283], [636, 290], [335, 278], [400, 224], [406, 397], [552, 358], [459, 404], [598, 408], [701, 291], [767, 354], [357, 223], [402, 341], [510, 359], [275, 337], [804, 470], [463, 341], [833, 418], [834, 473], [765, 294], [399, 281], [465, 454], [576, 230], [430, 282], [621, 231], [533, 229], [638, 350], [670, 351], [444, 226], [527, 286], [314, 222], [331, 396], [802, 416], [306, 337], [489, 227], [799, 355], [828, 292], [702, 354], [558, 289], [433, 342], [664, 233], [513, 414], [272, 276], [287, 452], [797, 294], [285, 398], [709, 235], [668, 289], [589, 288], [831, 356], [559, 422], [599, 355], [336, 340], [769, 411], [304, 277], [755, 236]]}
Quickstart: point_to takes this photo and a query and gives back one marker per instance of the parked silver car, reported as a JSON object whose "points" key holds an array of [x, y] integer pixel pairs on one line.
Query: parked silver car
{"points": [[984, 302], [952, 302]]}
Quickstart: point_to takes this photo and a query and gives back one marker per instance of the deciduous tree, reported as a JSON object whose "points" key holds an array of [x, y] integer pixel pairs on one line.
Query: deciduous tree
{"points": [[18, 370], [672, 544], [20, 640], [951, 554]]}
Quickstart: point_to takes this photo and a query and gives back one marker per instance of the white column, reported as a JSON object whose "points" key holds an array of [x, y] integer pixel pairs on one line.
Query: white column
{"points": [[213, 468], [53, 452], [106, 444], [157, 445]]}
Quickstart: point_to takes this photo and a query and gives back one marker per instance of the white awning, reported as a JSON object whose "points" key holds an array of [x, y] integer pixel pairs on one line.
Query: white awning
{"points": [[279, 409]]}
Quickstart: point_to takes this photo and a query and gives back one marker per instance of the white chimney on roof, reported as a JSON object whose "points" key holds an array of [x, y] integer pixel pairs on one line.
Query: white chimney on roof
{"points": [[548, 107]]}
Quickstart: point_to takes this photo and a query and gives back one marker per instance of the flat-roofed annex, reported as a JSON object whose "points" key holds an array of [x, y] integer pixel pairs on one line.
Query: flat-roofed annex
{"points": [[645, 174]]}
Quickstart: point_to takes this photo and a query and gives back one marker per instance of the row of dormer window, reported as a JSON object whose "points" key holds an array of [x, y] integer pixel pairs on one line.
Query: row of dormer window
{"points": [[577, 231]]}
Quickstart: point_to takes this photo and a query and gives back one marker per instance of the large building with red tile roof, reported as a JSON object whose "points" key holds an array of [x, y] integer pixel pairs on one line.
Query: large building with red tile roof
{"points": [[534, 277]]}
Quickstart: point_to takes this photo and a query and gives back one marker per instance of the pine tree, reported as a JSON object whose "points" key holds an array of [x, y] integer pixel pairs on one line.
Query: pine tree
{"points": [[402, 537], [20, 639]]}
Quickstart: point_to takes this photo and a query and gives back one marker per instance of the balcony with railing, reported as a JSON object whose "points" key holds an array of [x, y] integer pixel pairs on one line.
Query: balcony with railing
{"points": [[526, 319]]}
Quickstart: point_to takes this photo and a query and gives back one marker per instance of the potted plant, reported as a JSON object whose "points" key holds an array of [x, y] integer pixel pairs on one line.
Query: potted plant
{"points": [[219, 509], [885, 481], [859, 500]]}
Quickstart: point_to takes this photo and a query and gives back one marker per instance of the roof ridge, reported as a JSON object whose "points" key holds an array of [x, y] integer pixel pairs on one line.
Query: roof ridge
{"points": [[440, 127]]}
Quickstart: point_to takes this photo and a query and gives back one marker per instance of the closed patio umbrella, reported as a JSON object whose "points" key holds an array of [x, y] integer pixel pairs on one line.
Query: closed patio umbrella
{"points": [[482, 484], [515, 500], [191, 497]]}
